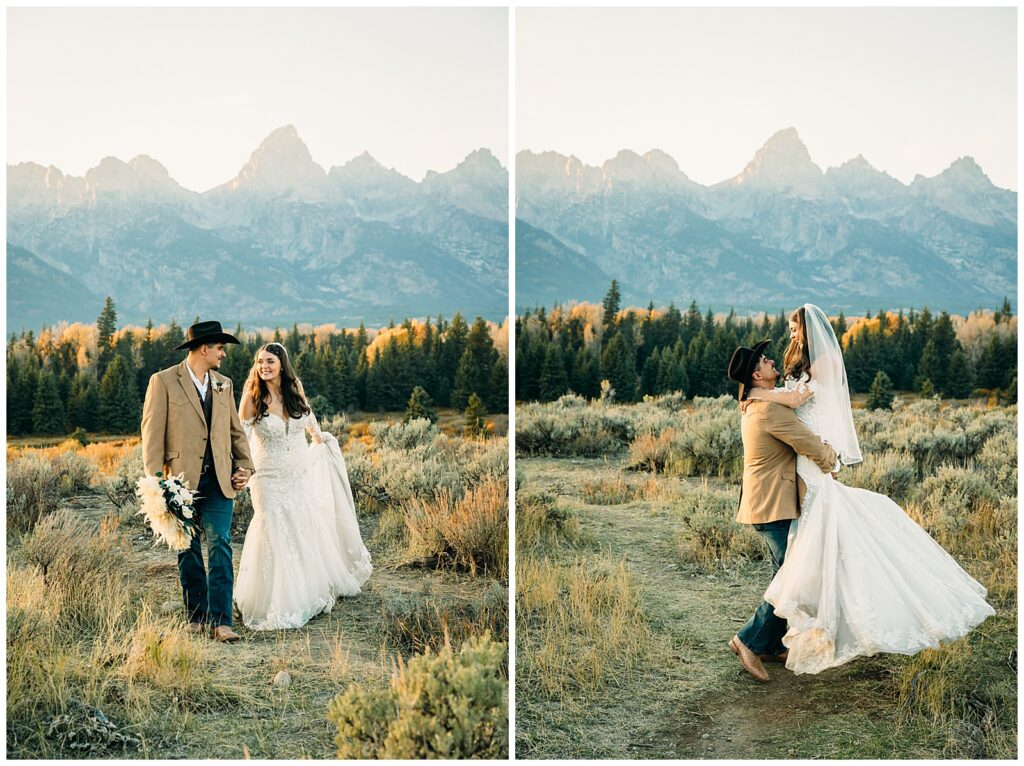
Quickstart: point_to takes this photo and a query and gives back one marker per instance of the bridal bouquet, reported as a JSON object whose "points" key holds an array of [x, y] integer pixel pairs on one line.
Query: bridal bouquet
{"points": [[167, 504]]}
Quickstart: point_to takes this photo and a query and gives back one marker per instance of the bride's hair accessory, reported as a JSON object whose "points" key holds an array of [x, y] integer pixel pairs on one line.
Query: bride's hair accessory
{"points": [[832, 398]]}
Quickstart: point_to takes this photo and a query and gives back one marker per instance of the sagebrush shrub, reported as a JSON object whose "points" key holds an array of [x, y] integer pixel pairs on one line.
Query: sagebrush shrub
{"points": [[891, 473], [404, 436], [470, 531], [120, 486], [36, 483], [440, 705], [81, 566], [414, 623], [710, 536], [541, 523]]}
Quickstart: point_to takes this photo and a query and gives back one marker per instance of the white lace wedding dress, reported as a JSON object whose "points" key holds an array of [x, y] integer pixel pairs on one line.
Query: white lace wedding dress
{"points": [[303, 548], [861, 577]]}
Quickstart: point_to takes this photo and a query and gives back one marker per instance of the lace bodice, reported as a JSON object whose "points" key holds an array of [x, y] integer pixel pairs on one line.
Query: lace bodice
{"points": [[278, 444], [807, 411]]}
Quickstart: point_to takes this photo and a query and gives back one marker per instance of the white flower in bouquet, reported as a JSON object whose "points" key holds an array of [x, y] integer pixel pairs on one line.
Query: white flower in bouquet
{"points": [[156, 496]]}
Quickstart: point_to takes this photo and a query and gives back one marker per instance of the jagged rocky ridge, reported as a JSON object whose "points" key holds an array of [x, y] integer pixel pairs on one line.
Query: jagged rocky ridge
{"points": [[780, 233], [283, 241]]}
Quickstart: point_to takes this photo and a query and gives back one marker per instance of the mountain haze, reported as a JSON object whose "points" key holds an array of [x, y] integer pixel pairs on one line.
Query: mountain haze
{"points": [[779, 233], [284, 240]]}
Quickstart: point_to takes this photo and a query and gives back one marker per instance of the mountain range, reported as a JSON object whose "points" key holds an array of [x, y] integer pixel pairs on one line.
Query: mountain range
{"points": [[283, 241], [780, 233]]}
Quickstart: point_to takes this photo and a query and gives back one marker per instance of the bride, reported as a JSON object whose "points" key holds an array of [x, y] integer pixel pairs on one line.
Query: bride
{"points": [[302, 548], [859, 577]]}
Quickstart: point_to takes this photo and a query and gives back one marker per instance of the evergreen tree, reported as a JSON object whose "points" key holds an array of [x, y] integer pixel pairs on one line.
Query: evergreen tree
{"points": [[48, 414], [649, 374], [498, 400], [419, 406], [342, 386], [174, 337], [106, 323], [22, 381], [455, 339], [476, 423], [1005, 312], [362, 379], [120, 410], [612, 301], [619, 367], [473, 374], [306, 372], [928, 366], [462, 386], [84, 403], [880, 397], [691, 324], [373, 399], [672, 371], [553, 379], [960, 382], [293, 341], [586, 374], [926, 389]]}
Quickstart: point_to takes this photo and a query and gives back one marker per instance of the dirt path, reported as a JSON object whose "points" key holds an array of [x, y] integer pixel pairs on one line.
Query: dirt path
{"points": [[702, 704]]}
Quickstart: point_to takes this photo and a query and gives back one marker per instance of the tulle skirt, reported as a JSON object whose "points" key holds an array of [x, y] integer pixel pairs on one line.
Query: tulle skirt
{"points": [[860, 577]]}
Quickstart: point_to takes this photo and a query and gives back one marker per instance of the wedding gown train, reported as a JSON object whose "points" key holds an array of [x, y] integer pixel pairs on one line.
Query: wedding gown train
{"points": [[861, 577], [303, 547]]}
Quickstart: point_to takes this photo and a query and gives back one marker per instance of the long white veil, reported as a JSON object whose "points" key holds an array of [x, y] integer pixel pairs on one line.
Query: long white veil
{"points": [[832, 398]]}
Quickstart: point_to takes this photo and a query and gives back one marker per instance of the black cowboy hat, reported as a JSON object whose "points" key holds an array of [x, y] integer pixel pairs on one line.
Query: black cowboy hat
{"points": [[208, 333], [743, 363]]}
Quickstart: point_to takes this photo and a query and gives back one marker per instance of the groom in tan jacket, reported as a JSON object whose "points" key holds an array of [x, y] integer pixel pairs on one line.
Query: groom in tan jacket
{"points": [[190, 426], [772, 493]]}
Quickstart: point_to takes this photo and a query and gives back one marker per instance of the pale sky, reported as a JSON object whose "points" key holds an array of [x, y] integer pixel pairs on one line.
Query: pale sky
{"points": [[911, 89], [198, 89]]}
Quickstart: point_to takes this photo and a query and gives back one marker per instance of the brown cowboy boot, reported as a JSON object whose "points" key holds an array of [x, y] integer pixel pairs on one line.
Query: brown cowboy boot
{"points": [[224, 634], [775, 657], [750, 661]]}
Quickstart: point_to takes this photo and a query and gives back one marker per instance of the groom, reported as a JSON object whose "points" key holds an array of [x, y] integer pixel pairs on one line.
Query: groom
{"points": [[190, 426], [772, 493]]}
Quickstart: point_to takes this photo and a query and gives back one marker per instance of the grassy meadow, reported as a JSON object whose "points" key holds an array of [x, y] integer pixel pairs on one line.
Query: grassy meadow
{"points": [[632, 576], [100, 663]]}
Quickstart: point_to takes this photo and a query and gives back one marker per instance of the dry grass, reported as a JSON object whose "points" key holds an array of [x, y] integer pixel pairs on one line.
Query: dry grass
{"points": [[542, 523], [417, 622], [98, 667], [953, 469], [580, 627], [610, 491], [470, 532]]}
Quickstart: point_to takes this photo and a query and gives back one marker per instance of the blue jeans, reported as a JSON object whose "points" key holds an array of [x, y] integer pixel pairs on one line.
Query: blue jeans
{"points": [[764, 631], [208, 598]]}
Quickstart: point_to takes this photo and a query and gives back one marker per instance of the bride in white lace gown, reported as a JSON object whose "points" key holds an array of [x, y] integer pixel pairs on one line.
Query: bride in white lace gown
{"points": [[303, 547], [859, 576]]}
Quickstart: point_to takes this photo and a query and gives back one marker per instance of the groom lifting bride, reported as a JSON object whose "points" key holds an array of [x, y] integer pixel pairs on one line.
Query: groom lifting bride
{"points": [[853, 574], [772, 493]]}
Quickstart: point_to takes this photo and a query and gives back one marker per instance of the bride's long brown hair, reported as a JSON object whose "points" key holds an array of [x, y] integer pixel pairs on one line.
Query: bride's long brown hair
{"points": [[295, 404], [797, 359]]}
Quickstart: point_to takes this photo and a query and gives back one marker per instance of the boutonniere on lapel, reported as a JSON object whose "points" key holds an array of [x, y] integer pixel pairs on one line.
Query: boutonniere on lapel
{"points": [[219, 386]]}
